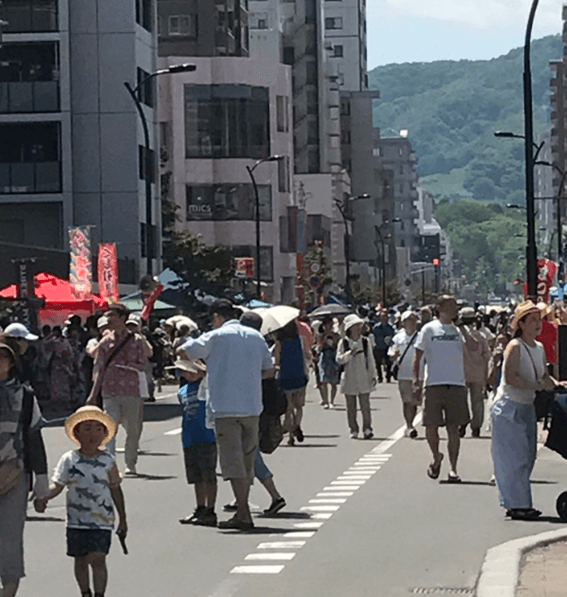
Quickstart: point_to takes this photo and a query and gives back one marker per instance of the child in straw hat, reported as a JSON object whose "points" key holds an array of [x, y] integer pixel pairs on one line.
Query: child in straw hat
{"points": [[93, 490]]}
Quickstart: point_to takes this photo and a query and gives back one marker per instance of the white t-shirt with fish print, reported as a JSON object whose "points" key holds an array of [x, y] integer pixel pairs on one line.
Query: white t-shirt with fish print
{"points": [[88, 482]]}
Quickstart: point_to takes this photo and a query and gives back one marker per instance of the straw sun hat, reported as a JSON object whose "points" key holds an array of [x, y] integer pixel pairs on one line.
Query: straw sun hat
{"points": [[189, 366], [90, 413], [523, 309]]}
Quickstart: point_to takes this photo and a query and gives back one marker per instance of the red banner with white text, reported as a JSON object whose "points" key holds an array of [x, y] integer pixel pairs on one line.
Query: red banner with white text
{"points": [[80, 271], [546, 270], [108, 272]]}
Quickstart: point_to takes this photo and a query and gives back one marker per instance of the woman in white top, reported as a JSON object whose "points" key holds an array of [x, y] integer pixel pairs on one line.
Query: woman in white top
{"points": [[402, 351], [514, 424], [354, 352]]}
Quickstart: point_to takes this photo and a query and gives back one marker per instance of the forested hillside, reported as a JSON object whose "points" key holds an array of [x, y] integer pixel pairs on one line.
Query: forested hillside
{"points": [[452, 109]]}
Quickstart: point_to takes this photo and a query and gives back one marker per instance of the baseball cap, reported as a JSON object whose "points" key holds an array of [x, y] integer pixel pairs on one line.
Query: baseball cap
{"points": [[19, 330]]}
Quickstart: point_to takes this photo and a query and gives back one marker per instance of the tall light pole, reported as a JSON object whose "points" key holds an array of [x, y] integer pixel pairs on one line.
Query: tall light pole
{"points": [[250, 170], [148, 164], [383, 255]]}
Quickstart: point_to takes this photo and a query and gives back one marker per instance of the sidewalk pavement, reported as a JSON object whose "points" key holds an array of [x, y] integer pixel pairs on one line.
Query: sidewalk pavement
{"points": [[543, 572]]}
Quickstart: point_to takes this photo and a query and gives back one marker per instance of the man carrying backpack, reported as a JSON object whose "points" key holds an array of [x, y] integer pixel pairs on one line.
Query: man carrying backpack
{"points": [[359, 376]]}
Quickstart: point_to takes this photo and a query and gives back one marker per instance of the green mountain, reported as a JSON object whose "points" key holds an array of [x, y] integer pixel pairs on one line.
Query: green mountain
{"points": [[452, 108]]}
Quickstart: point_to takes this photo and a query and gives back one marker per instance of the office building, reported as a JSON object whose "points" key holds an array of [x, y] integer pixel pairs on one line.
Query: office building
{"points": [[71, 137]]}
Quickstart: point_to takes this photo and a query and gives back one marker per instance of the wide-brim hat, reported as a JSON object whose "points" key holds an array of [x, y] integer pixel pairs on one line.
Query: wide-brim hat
{"points": [[90, 413], [351, 320], [189, 366], [467, 313], [523, 309], [544, 309]]}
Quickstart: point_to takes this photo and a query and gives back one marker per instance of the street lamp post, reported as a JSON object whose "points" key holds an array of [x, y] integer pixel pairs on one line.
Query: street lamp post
{"points": [[147, 164], [250, 170]]}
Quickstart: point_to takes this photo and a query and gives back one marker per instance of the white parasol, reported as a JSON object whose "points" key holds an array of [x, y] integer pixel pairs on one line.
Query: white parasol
{"points": [[275, 318]]}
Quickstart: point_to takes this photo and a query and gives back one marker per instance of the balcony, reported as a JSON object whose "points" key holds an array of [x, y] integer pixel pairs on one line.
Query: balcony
{"points": [[26, 16], [30, 177], [32, 96]]}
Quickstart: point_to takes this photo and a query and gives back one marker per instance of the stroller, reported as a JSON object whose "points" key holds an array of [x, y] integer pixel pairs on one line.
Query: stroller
{"points": [[556, 424]]}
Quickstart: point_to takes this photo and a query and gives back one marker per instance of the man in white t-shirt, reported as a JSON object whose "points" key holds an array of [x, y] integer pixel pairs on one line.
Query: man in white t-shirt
{"points": [[441, 343]]}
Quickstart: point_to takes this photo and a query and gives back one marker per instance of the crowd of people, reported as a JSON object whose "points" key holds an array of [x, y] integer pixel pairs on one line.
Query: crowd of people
{"points": [[236, 384]]}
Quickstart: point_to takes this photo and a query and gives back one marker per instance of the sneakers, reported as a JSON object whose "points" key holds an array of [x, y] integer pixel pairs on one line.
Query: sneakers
{"points": [[332, 406], [299, 435], [236, 524], [354, 435], [130, 471], [368, 434], [230, 507], [275, 507], [207, 518]]}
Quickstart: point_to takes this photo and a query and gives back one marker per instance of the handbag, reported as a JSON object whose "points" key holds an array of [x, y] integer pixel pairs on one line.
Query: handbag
{"points": [[98, 396], [543, 398], [10, 473], [396, 367], [271, 433]]}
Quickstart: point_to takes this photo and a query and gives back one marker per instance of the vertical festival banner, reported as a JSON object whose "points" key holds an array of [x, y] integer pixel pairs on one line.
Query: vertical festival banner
{"points": [[80, 272], [108, 272], [546, 270]]}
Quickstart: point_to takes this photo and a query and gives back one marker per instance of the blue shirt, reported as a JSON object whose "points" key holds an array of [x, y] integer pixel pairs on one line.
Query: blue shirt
{"points": [[194, 429], [235, 355], [382, 331]]}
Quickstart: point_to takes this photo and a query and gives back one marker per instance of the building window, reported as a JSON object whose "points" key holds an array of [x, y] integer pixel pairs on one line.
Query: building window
{"points": [[262, 24], [144, 14], [312, 133], [146, 164], [289, 55], [22, 16], [227, 121], [311, 73], [313, 161], [29, 78], [180, 25], [345, 137], [282, 113], [30, 158], [345, 108], [146, 90], [228, 202], [333, 23], [338, 51], [283, 175]]}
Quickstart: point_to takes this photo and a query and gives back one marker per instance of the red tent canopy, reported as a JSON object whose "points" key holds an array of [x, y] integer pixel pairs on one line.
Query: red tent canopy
{"points": [[58, 295]]}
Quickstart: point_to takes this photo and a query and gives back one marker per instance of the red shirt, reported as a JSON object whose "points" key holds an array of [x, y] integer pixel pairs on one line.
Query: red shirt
{"points": [[548, 338], [304, 330], [121, 378]]}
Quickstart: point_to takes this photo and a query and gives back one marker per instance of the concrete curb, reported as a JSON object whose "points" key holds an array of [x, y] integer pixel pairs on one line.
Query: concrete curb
{"points": [[500, 571]]}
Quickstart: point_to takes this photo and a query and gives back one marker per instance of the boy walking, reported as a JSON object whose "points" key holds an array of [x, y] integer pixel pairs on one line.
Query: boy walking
{"points": [[199, 443], [93, 487]]}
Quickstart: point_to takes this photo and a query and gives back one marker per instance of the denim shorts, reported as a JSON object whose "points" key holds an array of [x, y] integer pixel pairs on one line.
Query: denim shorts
{"points": [[82, 542]]}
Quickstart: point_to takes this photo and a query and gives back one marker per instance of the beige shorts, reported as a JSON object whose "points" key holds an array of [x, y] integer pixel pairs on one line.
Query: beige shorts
{"points": [[296, 398], [445, 405], [405, 387], [237, 441]]}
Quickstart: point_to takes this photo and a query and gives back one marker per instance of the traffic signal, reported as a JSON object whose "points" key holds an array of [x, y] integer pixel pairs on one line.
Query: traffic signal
{"points": [[436, 262]]}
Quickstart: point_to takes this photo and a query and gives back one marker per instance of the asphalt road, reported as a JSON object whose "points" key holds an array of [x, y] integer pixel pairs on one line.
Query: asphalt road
{"points": [[362, 517]]}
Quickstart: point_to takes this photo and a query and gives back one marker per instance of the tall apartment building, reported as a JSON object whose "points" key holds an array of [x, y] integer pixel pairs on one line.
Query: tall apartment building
{"points": [[231, 112], [345, 38], [203, 28], [70, 134]]}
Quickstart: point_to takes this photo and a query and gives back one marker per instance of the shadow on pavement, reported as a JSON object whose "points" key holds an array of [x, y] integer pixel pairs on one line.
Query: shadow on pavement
{"points": [[289, 516], [152, 477], [154, 411], [147, 453], [310, 446], [544, 482], [550, 519], [323, 436], [44, 519], [487, 483]]}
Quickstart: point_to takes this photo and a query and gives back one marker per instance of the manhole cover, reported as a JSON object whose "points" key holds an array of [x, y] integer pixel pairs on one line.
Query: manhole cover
{"points": [[440, 591]]}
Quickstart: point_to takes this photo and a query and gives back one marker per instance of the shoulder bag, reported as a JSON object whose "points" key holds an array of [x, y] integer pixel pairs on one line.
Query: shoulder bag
{"points": [[543, 398], [396, 367]]}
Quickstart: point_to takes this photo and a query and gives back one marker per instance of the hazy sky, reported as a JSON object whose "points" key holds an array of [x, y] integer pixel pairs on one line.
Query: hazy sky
{"points": [[427, 30]]}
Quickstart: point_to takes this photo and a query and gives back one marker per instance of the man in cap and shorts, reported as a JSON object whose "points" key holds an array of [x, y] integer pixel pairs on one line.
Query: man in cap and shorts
{"points": [[445, 403], [237, 358]]}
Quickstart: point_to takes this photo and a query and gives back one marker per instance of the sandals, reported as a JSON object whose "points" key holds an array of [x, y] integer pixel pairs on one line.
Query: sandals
{"points": [[433, 470]]}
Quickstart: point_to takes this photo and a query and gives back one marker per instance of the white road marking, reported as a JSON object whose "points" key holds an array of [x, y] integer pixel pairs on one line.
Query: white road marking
{"points": [[349, 482], [338, 494], [329, 501], [299, 534], [257, 569], [174, 432], [281, 545], [349, 478], [308, 525], [322, 515], [288, 555], [320, 508], [341, 487]]}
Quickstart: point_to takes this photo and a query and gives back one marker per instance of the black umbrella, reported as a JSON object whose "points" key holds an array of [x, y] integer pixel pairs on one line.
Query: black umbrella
{"points": [[330, 310]]}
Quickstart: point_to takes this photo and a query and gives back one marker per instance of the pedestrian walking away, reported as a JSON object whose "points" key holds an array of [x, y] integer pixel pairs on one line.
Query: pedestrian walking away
{"points": [[402, 352], [359, 375], [445, 402], [514, 424], [22, 453], [476, 354], [93, 487], [383, 334], [237, 358], [120, 366]]}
